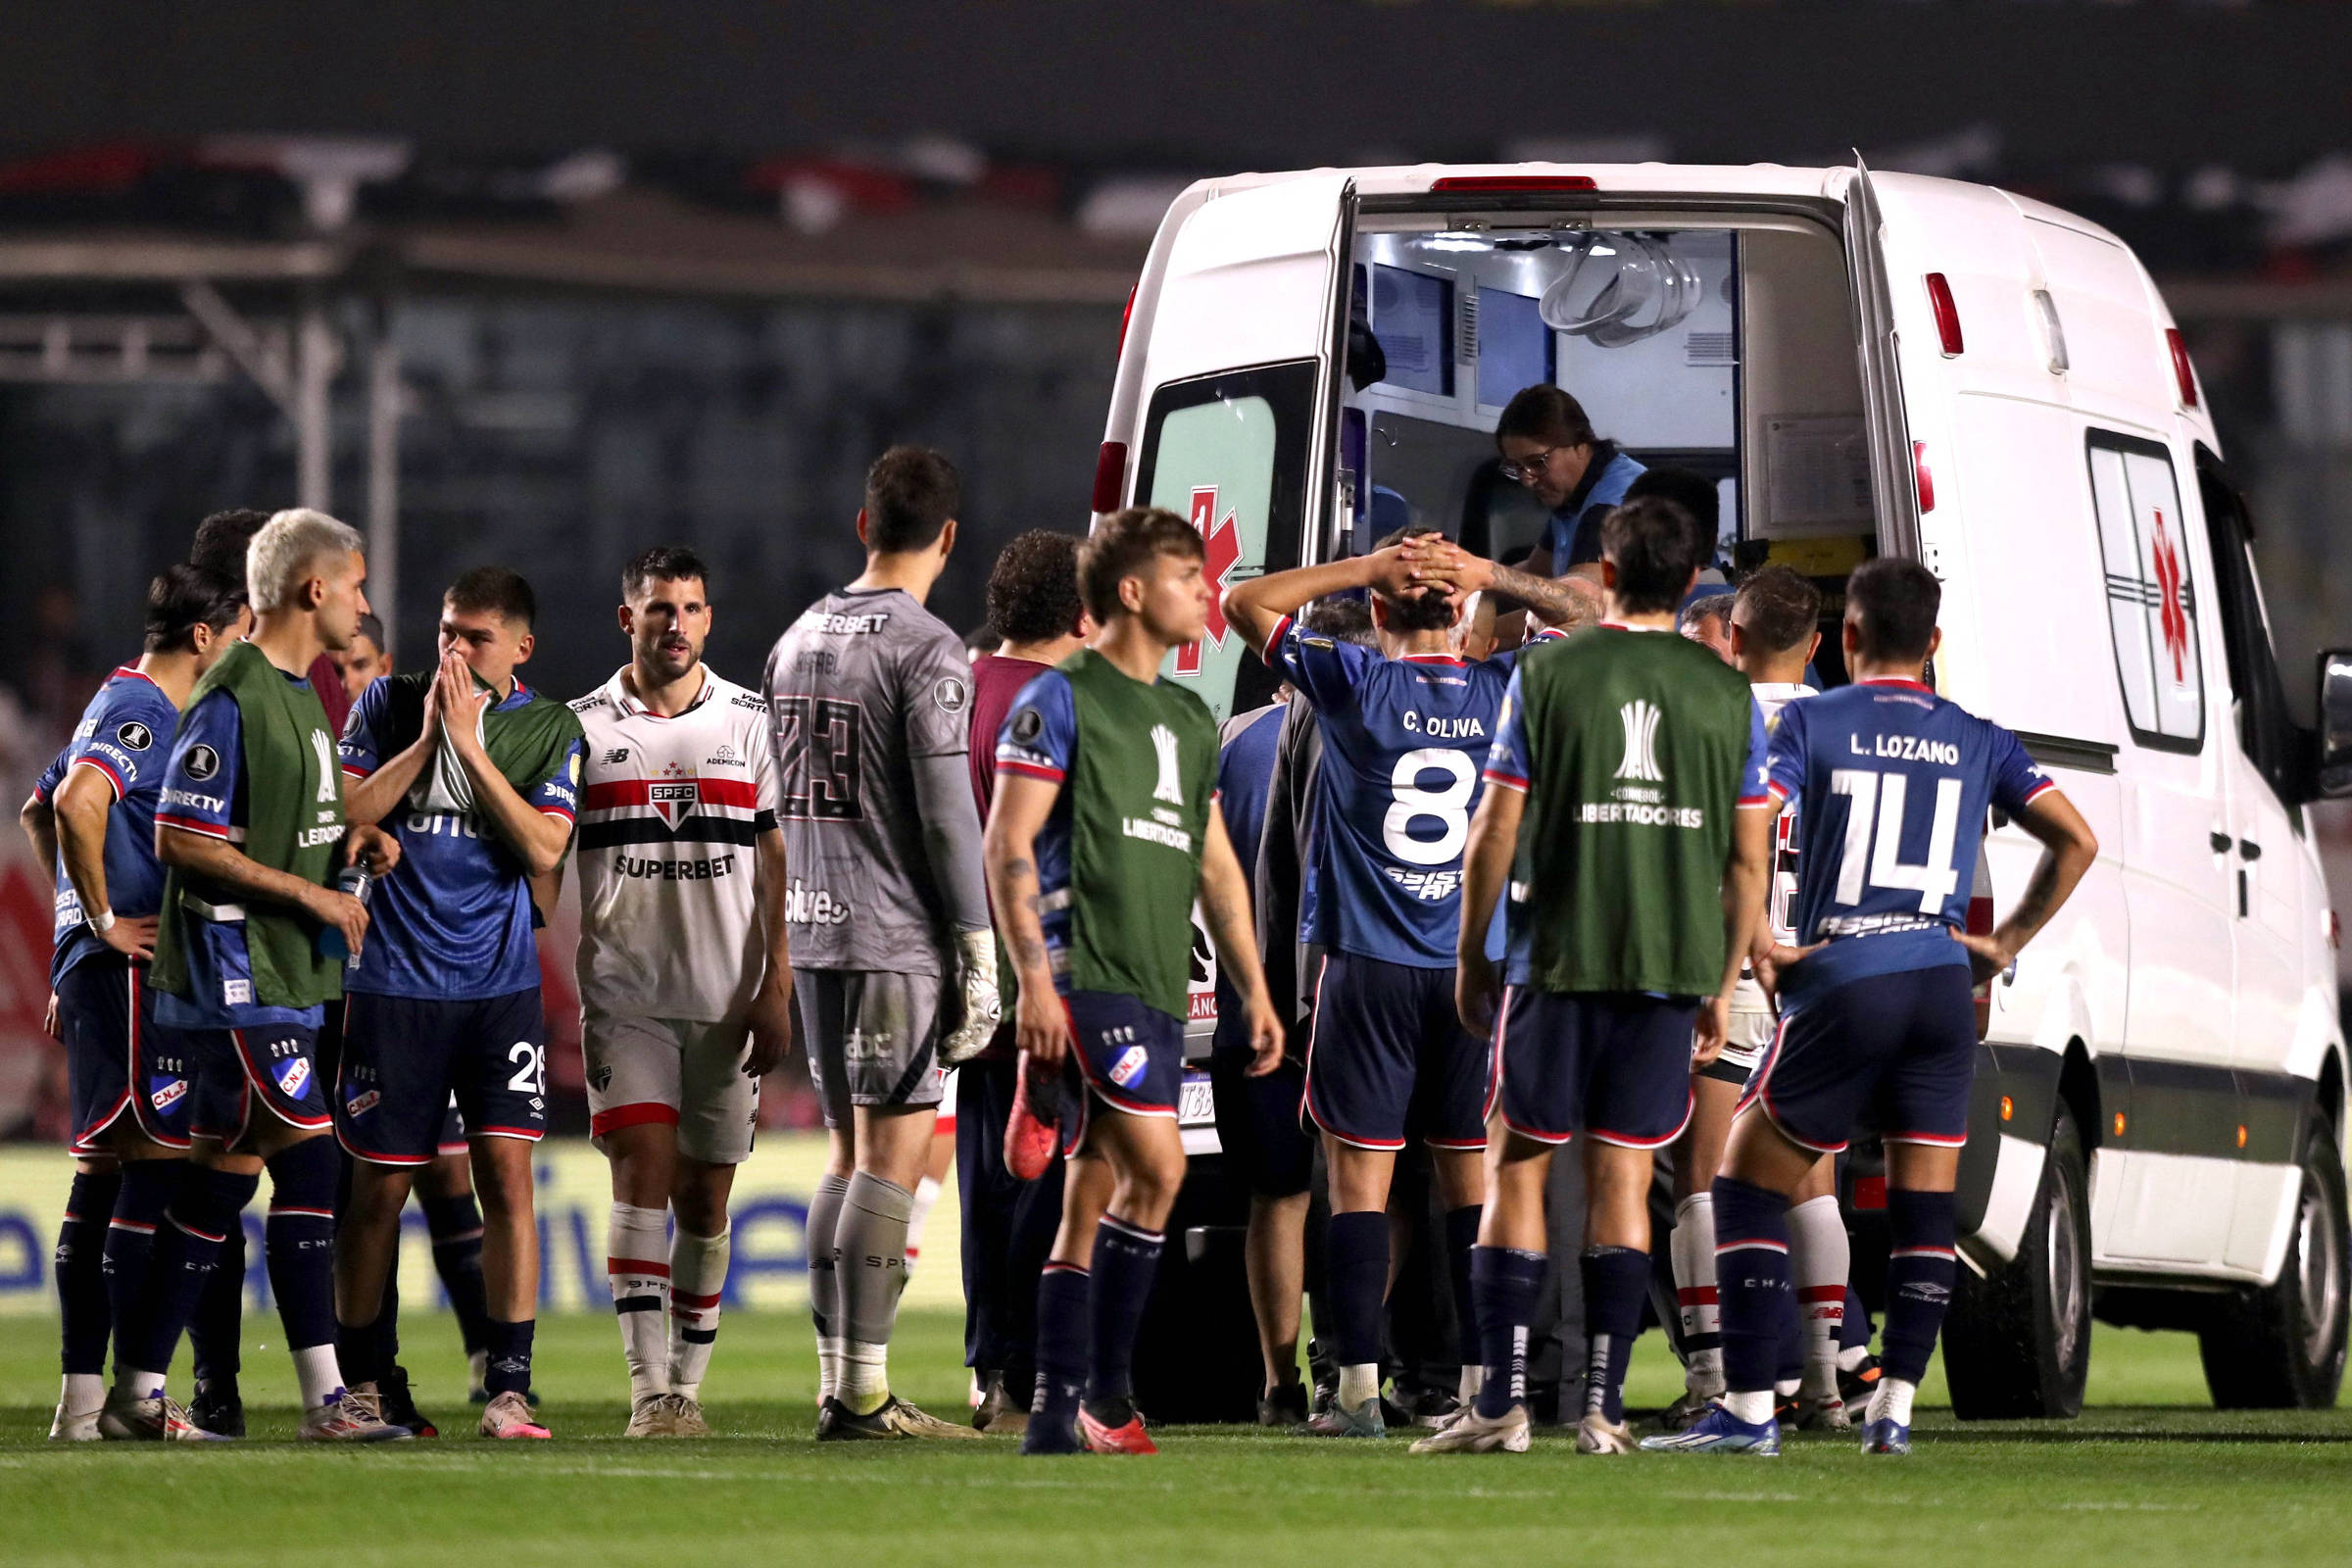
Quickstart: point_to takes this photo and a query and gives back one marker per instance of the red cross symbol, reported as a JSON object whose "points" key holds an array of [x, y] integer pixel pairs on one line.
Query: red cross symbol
{"points": [[2171, 609], [1223, 539]]}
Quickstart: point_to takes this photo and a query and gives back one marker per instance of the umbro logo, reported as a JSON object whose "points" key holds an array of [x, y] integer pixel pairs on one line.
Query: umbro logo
{"points": [[615, 757]]}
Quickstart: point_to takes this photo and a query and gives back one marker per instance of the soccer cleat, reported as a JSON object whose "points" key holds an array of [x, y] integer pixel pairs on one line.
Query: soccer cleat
{"points": [[1719, 1432], [895, 1419], [1286, 1406], [73, 1426], [1822, 1412], [1420, 1408], [1597, 1434], [154, 1419], [395, 1403], [686, 1417], [1338, 1421], [1033, 1132], [998, 1413], [1472, 1432], [1887, 1436], [1127, 1436], [1856, 1386], [349, 1416], [648, 1418], [1687, 1411], [217, 1408], [508, 1415]]}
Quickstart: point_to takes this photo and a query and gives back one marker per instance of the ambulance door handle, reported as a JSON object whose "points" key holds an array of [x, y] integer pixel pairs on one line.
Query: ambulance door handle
{"points": [[2220, 842], [2249, 849]]}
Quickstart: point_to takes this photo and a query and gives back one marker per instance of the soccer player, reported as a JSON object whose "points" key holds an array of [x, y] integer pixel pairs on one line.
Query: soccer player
{"points": [[685, 987], [868, 695], [1635, 881], [92, 821], [1892, 785], [478, 775], [251, 827], [1405, 729], [1008, 1224], [1105, 831], [1772, 633], [367, 661]]}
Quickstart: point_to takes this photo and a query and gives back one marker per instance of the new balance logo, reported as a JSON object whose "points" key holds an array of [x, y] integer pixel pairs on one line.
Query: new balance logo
{"points": [[1164, 742], [616, 755], [1640, 721]]}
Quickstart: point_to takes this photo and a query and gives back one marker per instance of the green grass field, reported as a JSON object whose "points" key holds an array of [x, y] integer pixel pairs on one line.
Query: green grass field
{"points": [[2150, 1475]]}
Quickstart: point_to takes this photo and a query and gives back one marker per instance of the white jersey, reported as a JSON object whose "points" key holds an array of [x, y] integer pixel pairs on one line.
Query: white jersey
{"points": [[670, 811], [1780, 889]]}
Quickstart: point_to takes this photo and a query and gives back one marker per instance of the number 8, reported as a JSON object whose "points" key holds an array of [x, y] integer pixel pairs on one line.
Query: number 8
{"points": [[1449, 807]]}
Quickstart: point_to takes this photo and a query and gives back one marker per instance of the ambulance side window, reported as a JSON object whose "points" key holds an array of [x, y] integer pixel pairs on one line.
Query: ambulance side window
{"points": [[2265, 729], [1230, 452], [2151, 599]]}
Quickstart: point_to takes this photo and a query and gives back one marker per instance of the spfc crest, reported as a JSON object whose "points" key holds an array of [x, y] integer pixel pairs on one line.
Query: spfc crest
{"points": [[675, 801]]}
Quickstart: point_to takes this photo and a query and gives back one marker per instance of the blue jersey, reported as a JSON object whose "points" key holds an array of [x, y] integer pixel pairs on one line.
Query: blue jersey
{"points": [[204, 791], [124, 735], [452, 921], [1245, 775], [1893, 784], [1404, 742], [1040, 740]]}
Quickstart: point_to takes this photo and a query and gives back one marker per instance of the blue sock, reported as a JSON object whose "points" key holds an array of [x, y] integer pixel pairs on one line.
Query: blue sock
{"points": [[1616, 1284], [456, 1226], [202, 1210], [220, 1315], [360, 1352], [1462, 1239], [1064, 1295], [299, 1241], [1752, 1284], [1854, 1333], [83, 1313], [1503, 1284], [509, 1346], [1920, 1270], [1355, 1251], [1126, 1258], [146, 1188]]}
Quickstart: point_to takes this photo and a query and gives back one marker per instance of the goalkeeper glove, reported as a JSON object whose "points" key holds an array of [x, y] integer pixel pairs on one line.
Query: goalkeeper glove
{"points": [[976, 975]]}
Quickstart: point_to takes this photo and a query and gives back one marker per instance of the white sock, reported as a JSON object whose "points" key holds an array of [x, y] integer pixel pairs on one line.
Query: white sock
{"points": [[1359, 1383], [1753, 1408], [83, 1394], [1892, 1401], [1692, 1253], [636, 1249], [316, 1370], [698, 1273], [1850, 1358], [1785, 1388], [926, 1194], [1474, 1378], [828, 1370], [1820, 1258], [477, 1371], [133, 1384], [864, 1376]]}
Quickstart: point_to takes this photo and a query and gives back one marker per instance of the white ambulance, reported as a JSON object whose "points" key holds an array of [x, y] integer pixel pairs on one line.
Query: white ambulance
{"points": [[1868, 364]]}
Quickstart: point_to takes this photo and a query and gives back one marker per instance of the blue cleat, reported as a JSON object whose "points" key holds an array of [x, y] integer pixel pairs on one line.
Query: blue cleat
{"points": [[1719, 1432], [1887, 1436]]}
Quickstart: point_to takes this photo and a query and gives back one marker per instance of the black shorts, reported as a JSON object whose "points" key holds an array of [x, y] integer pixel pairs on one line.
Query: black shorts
{"points": [[118, 1059], [275, 1063], [1390, 1058], [1129, 1056], [1615, 1065], [1893, 1052], [1257, 1124], [405, 1058]]}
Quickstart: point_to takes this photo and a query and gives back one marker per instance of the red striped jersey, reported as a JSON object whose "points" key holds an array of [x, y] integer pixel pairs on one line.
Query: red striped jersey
{"points": [[670, 811]]}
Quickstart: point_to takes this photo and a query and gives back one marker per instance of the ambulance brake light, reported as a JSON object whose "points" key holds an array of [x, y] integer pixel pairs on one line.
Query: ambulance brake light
{"points": [[1505, 183], [1947, 314]]}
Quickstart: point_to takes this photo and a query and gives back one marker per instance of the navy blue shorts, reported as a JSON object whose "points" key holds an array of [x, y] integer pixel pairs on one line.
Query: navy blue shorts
{"points": [[118, 1059], [1257, 1124], [1894, 1052], [1389, 1057], [1613, 1065], [1129, 1056], [405, 1058], [275, 1063]]}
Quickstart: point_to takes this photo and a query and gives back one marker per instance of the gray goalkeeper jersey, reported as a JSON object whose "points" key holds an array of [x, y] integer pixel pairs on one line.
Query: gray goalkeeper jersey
{"points": [[865, 682]]}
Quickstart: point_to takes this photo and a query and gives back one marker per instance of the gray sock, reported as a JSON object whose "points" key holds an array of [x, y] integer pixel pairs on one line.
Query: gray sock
{"points": [[873, 1257], [824, 1277]]}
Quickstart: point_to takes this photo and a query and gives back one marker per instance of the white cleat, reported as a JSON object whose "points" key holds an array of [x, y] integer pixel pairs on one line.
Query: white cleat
{"points": [[1597, 1434], [650, 1415], [686, 1417], [75, 1426], [1824, 1413], [349, 1416], [1471, 1432], [154, 1419]]}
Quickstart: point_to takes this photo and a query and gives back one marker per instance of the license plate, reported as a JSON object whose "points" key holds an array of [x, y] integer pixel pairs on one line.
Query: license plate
{"points": [[1196, 1103]]}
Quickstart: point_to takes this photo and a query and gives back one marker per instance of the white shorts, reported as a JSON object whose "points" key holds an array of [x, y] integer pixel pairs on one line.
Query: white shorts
{"points": [[1745, 1035], [674, 1071]]}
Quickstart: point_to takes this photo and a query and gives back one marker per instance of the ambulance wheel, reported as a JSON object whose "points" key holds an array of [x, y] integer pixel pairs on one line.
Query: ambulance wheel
{"points": [[2016, 1344], [2281, 1346]]}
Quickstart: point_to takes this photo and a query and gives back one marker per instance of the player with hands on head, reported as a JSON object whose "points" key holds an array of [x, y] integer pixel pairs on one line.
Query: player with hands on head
{"points": [[252, 830], [479, 777], [870, 700], [1624, 815], [1893, 786], [1104, 832], [685, 978]]}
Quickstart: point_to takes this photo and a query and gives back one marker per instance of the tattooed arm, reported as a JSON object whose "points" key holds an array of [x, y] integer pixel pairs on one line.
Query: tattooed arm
{"points": [[1568, 603], [1022, 804]]}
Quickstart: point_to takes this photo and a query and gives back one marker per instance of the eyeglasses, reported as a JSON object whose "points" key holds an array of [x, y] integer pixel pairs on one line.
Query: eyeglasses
{"points": [[1528, 472]]}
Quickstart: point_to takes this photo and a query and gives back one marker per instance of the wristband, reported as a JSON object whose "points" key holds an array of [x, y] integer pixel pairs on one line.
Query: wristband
{"points": [[102, 922]]}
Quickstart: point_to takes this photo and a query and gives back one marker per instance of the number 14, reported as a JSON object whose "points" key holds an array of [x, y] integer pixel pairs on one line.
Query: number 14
{"points": [[1878, 800]]}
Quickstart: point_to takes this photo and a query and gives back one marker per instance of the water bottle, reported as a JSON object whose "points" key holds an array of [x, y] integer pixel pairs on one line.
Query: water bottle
{"points": [[356, 880]]}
